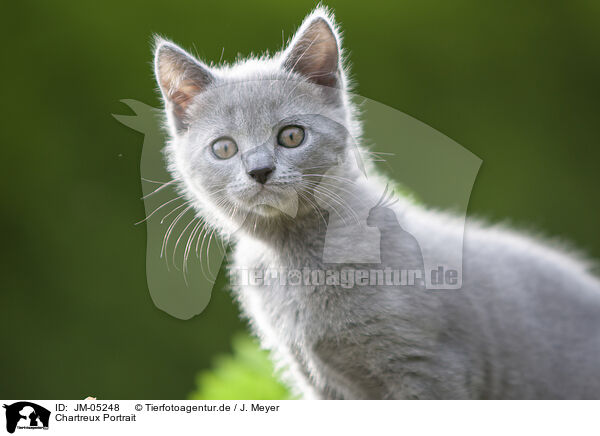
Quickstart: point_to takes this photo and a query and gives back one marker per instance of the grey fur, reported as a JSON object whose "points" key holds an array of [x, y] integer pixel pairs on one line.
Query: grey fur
{"points": [[526, 323]]}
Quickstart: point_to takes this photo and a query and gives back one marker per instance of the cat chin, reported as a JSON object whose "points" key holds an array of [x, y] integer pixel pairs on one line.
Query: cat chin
{"points": [[266, 210], [273, 201], [275, 208]]}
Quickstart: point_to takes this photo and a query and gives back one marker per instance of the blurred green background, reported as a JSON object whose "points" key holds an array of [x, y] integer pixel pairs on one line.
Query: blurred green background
{"points": [[515, 82]]}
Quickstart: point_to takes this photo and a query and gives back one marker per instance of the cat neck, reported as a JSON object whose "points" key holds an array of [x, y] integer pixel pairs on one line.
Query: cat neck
{"points": [[302, 237]]}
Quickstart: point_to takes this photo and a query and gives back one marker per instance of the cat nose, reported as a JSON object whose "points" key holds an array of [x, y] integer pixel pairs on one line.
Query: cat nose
{"points": [[261, 174]]}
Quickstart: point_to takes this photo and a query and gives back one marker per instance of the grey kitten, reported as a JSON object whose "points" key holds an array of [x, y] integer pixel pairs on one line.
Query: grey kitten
{"points": [[264, 150]]}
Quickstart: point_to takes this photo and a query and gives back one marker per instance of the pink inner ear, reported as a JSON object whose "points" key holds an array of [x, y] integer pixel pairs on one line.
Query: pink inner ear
{"points": [[181, 78], [178, 90], [315, 54], [181, 96]]}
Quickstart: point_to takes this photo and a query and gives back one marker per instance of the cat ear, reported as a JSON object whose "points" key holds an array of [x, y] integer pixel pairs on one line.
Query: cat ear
{"points": [[315, 51], [179, 75]]}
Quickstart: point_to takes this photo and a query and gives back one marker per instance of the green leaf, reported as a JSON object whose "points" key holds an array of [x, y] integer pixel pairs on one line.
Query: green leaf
{"points": [[246, 374]]}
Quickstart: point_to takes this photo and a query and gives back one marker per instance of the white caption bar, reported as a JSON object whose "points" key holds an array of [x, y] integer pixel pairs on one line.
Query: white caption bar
{"points": [[91, 417]]}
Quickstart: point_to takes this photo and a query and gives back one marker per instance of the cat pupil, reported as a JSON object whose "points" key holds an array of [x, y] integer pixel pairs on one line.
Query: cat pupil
{"points": [[291, 136]]}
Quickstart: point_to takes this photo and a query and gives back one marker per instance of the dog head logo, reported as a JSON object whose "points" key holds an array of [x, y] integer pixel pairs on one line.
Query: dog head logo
{"points": [[24, 414]]}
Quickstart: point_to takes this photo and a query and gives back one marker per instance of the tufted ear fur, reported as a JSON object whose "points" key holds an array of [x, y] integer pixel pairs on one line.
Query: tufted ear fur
{"points": [[180, 77], [314, 52]]}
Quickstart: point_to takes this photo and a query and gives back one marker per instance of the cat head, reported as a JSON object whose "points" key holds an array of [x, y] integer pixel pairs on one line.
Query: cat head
{"points": [[257, 137]]}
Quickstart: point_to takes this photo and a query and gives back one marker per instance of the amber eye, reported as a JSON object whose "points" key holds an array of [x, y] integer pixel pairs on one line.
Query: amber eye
{"points": [[224, 148], [290, 136]]}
